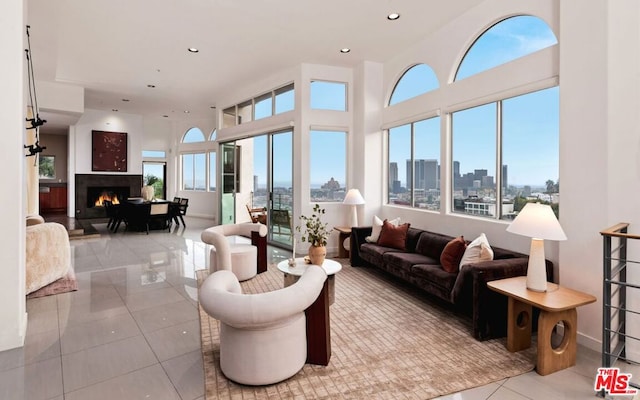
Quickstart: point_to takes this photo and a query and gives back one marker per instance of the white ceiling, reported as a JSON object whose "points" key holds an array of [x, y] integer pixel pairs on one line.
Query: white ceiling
{"points": [[115, 48]]}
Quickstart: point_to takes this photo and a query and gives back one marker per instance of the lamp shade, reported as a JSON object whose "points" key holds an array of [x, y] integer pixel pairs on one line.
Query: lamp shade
{"points": [[353, 198], [538, 221]]}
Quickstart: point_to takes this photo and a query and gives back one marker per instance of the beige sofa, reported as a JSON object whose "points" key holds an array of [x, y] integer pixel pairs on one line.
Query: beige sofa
{"points": [[48, 254]]}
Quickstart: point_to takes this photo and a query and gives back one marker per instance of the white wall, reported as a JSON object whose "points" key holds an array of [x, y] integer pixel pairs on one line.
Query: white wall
{"points": [[600, 145], [13, 317], [80, 145]]}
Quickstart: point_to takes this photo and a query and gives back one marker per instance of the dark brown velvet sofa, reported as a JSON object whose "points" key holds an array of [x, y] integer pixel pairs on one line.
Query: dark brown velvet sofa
{"points": [[466, 290]]}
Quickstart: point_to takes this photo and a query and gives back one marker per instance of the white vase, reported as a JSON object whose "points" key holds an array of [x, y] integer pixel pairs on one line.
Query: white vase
{"points": [[147, 193]]}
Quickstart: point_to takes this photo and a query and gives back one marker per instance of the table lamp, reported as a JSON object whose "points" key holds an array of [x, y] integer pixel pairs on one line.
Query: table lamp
{"points": [[538, 222], [353, 199]]}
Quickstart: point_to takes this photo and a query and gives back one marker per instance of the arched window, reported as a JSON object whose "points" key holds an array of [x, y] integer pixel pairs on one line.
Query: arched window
{"points": [[417, 80], [213, 135], [193, 135], [505, 41]]}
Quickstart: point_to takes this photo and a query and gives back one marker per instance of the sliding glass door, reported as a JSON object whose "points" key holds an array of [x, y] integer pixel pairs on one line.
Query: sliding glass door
{"points": [[260, 178], [281, 189]]}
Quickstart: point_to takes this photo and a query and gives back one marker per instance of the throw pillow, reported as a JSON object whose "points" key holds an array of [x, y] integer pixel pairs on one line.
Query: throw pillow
{"points": [[393, 236], [478, 250], [376, 227], [452, 254]]}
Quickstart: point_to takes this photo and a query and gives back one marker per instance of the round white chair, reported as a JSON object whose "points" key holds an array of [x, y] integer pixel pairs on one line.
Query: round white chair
{"points": [[263, 338], [226, 254]]}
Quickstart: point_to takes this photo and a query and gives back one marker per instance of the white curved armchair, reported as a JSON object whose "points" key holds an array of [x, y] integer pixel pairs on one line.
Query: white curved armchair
{"points": [[244, 259], [263, 336]]}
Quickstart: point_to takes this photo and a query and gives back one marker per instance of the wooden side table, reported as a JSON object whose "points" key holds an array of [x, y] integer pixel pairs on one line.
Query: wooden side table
{"points": [[343, 233], [556, 304]]}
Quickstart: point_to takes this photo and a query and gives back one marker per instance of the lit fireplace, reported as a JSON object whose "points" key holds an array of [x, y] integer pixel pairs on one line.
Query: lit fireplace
{"points": [[96, 195], [108, 196]]}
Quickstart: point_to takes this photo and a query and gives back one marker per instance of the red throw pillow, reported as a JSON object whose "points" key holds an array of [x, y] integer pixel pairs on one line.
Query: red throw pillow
{"points": [[452, 254], [393, 236]]}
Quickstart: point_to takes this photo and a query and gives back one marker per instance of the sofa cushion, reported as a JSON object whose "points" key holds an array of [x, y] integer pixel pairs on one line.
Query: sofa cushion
{"points": [[405, 260], [432, 244], [435, 275], [372, 253], [376, 227], [413, 235], [393, 236], [452, 254]]}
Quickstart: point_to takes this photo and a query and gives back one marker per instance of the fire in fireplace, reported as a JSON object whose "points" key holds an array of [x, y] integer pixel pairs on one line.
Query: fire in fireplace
{"points": [[97, 195]]}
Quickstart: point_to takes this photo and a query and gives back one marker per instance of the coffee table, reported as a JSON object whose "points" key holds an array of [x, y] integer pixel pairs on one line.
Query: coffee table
{"points": [[557, 304], [317, 315]]}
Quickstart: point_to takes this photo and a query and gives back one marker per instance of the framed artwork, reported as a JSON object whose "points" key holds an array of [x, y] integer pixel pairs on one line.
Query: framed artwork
{"points": [[109, 151]]}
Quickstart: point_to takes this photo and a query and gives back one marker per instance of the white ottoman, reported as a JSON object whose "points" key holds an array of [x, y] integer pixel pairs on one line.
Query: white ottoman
{"points": [[243, 260]]}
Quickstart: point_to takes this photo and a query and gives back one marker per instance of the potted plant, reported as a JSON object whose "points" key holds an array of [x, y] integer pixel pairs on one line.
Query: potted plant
{"points": [[315, 232], [148, 190]]}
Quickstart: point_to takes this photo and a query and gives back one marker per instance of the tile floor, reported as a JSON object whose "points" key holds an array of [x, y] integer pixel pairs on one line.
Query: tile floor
{"points": [[131, 331]]}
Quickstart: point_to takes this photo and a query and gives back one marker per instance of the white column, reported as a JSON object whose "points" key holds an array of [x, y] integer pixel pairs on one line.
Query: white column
{"points": [[13, 317]]}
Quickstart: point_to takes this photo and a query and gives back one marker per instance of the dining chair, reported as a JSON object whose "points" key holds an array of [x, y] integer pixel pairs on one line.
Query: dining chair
{"points": [[182, 210]]}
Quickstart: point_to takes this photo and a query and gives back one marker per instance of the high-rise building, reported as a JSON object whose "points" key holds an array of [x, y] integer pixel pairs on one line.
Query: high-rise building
{"points": [[505, 181], [393, 175], [425, 174]]}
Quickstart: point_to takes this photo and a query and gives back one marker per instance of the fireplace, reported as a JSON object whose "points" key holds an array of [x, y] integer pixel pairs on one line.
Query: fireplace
{"points": [[96, 195], [93, 189]]}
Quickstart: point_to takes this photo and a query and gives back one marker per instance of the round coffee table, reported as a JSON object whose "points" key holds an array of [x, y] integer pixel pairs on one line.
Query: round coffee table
{"points": [[293, 273]]}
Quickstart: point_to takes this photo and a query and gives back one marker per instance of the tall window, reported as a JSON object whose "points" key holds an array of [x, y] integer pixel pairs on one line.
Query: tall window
{"points": [[193, 171], [414, 164], [329, 95], [505, 41], [521, 135], [328, 165], [415, 81]]}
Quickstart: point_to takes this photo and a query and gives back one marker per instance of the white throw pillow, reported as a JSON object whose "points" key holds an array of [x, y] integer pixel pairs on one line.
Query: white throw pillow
{"points": [[376, 228], [478, 250]]}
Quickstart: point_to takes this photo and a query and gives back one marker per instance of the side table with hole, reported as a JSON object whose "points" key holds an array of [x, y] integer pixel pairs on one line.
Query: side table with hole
{"points": [[557, 304]]}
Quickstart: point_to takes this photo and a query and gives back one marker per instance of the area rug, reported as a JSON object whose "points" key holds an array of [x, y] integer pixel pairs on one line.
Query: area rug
{"points": [[67, 283], [388, 342]]}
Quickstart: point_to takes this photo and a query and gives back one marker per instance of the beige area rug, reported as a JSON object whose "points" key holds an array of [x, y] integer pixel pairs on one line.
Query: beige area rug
{"points": [[387, 342]]}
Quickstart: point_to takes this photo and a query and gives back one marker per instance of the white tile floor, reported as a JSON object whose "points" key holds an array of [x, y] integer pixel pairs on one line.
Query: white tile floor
{"points": [[131, 331]]}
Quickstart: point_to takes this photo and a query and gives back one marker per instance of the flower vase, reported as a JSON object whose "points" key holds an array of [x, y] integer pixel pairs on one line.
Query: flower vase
{"points": [[317, 254], [147, 193]]}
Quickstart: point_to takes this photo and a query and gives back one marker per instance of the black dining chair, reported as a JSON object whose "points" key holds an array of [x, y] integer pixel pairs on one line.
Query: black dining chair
{"points": [[182, 210]]}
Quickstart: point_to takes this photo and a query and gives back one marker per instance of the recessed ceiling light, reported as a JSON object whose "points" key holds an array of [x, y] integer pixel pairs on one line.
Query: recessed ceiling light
{"points": [[213, 107], [165, 116], [114, 109], [393, 16], [125, 100], [186, 111], [151, 86], [345, 50], [193, 50]]}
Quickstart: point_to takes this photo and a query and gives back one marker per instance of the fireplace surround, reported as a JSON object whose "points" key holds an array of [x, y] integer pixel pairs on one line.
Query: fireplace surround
{"points": [[88, 184]]}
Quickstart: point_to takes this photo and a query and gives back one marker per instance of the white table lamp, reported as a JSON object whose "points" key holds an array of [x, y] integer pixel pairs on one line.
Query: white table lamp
{"points": [[538, 222], [353, 199]]}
